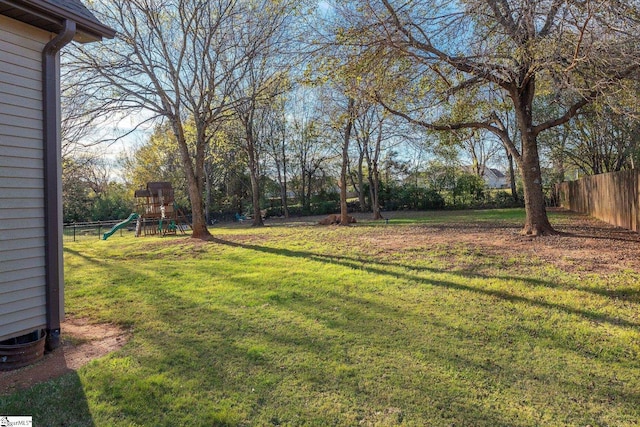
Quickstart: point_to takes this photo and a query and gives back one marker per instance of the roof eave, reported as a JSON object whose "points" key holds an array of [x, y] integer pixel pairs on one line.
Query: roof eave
{"points": [[87, 30]]}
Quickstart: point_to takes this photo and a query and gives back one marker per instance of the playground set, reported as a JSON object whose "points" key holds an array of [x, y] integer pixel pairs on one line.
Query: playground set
{"points": [[156, 212]]}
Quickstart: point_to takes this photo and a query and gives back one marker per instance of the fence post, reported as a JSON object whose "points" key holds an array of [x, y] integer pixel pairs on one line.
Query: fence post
{"points": [[74, 231]]}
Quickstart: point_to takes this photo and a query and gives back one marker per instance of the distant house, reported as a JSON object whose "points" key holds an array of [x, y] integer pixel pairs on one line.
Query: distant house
{"points": [[31, 271], [492, 177], [495, 179]]}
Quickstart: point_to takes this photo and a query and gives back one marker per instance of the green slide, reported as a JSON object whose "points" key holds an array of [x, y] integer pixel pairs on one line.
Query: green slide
{"points": [[120, 225]]}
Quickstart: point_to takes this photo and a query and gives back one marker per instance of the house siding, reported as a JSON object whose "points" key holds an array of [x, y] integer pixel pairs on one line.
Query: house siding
{"points": [[22, 210]]}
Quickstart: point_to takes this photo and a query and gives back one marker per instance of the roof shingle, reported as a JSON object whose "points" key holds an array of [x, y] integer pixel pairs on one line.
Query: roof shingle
{"points": [[74, 6]]}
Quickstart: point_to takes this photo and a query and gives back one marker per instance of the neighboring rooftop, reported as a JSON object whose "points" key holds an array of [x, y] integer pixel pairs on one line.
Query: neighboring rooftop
{"points": [[497, 173]]}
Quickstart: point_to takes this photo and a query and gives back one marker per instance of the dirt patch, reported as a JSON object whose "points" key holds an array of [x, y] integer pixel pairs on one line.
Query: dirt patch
{"points": [[585, 245], [81, 342]]}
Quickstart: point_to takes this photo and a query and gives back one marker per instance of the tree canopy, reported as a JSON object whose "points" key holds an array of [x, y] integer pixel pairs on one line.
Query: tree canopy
{"points": [[543, 78], [568, 53]]}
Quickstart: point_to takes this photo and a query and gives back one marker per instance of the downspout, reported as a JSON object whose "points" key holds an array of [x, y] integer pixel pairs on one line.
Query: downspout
{"points": [[54, 270]]}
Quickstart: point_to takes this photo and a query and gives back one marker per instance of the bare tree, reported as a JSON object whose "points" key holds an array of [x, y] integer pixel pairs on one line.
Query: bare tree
{"points": [[601, 141], [370, 132], [265, 37], [76, 125], [177, 60], [308, 143], [522, 48], [481, 150], [276, 139]]}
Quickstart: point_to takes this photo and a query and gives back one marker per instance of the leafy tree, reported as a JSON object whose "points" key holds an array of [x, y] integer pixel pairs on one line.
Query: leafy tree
{"points": [[76, 204], [441, 176], [157, 160], [521, 48], [226, 181], [468, 188], [394, 169], [602, 140], [410, 196], [114, 202], [88, 191]]}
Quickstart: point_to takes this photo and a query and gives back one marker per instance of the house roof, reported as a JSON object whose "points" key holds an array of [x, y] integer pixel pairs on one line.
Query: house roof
{"points": [[493, 171], [50, 15], [497, 173]]}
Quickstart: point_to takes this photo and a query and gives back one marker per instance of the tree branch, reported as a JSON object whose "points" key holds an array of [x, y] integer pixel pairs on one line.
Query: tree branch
{"points": [[484, 70], [447, 127]]}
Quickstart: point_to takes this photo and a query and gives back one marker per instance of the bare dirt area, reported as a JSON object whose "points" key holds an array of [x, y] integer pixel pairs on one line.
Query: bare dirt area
{"points": [[584, 244], [81, 342]]}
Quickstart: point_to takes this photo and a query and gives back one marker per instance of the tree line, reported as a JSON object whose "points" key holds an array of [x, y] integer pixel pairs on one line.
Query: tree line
{"points": [[250, 97]]}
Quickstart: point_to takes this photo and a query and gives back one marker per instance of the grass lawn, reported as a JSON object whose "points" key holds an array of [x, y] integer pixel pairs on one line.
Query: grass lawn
{"points": [[374, 324]]}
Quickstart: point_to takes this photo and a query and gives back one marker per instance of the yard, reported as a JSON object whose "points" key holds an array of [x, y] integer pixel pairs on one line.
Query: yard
{"points": [[441, 319]]}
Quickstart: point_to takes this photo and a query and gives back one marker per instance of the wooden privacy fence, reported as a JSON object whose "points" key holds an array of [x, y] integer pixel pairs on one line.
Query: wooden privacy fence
{"points": [[610, 197]]}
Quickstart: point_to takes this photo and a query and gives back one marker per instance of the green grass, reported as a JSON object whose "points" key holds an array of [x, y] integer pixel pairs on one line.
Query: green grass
{"points": [[515, 216], [319, 326]]}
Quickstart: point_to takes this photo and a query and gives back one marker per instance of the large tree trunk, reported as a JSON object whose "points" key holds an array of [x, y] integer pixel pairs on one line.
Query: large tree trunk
{"points": [[195, 180], [199, 222], [536, 222]]}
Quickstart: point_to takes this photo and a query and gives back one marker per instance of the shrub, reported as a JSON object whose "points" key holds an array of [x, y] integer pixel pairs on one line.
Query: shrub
{"points": [[501, 199], [326, 207], [468, 190], [410, 197]]}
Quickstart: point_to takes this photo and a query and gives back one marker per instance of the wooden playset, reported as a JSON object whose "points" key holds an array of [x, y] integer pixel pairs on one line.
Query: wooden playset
{"points": [[157, 213]]}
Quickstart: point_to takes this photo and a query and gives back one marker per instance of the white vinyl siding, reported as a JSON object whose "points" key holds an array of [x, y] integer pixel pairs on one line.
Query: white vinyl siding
{"points": [[22, 237]]}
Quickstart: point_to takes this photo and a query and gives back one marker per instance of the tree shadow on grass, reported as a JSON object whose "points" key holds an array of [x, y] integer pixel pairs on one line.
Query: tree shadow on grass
{"points": [[58, 402], [224, 362], [83, 256], [626, 294], [224, 349], [618, 235], [365, 265], [382, 330]]}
